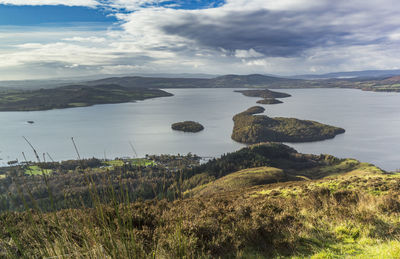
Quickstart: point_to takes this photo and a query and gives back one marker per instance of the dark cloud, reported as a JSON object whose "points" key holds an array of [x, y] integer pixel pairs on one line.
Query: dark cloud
{"points": [[272, 33]]}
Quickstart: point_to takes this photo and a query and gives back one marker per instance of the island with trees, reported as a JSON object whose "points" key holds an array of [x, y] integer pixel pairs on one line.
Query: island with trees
{"points": [[269, 101], [250, 128], [263, 93], [187, 126]]}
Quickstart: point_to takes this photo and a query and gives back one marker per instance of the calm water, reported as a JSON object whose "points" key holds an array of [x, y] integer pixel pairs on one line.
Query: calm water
{"points": [[371, 120]]}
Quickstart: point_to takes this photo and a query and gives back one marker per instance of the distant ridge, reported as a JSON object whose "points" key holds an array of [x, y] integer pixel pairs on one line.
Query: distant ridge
{"points": [[351, 74], [369, 80], [226, 81]]}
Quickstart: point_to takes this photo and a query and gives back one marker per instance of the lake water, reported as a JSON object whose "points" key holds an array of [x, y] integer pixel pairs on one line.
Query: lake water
{"points": [[371, 120]]}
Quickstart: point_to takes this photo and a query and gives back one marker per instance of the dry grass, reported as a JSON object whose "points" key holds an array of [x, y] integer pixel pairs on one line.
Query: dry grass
{"points": [[293, 219]]}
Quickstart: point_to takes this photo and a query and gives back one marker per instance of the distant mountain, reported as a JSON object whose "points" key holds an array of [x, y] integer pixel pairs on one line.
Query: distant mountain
{"points": [[153, 82], [351, 74], [366, 80], [248, 80], [227, 81], [34, 84]]}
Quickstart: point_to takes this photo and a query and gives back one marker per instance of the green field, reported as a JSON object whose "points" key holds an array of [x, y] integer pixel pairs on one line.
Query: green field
{"points": [[142, 162], [36, 170], [2, 176], [134, 161]]}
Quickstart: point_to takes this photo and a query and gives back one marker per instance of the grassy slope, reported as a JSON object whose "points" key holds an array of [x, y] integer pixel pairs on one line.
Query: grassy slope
{"points": [[341, 216], [241, 179], [267, 175]]}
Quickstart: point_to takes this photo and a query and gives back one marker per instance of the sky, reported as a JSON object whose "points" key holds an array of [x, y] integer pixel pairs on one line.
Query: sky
{"points": [[68, 38]]}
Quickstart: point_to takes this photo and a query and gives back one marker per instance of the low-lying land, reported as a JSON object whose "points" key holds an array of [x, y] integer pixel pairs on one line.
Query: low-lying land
{"points": [[263, 201], [269, 101], [73, 96], [249, 128], [187, 126]]}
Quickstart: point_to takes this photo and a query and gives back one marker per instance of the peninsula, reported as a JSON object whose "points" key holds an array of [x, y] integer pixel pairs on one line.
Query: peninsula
{"points": [[73, 96], [249, 128]]}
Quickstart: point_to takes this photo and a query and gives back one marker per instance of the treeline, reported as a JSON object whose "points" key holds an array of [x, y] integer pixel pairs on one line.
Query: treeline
{"points": [[74, 183]]}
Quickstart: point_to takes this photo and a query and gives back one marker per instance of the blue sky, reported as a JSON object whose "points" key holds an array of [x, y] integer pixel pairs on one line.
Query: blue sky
{"points": [[51, 15], [67, 38]]}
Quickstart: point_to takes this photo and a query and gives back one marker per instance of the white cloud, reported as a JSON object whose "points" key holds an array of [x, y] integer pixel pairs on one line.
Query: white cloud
{"points": [[273, 4], [57, 52], [242, 36], [251, 53], [132, 5], [86, 39]]}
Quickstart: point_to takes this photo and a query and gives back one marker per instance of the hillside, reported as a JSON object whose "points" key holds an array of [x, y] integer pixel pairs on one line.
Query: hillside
{"points": [[372, 83], [249, 128], [364, 80], [334, 208], [227, 81], [153, 82]]}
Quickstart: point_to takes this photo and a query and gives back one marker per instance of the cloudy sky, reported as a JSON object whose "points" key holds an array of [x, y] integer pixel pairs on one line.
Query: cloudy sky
{"points": [[63, 38]]}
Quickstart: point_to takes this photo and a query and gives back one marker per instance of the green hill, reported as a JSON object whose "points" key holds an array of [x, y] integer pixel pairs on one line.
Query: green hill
{"points": [[241, 179]]}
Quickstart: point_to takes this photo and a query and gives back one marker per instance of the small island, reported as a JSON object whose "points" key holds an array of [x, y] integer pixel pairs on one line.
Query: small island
{"points": [[269, 101], [263, 93], [187, 126], [249, 128]]}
